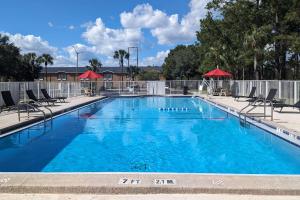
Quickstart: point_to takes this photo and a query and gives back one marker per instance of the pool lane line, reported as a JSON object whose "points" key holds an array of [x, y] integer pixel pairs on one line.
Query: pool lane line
{"points": [[204, 118]]}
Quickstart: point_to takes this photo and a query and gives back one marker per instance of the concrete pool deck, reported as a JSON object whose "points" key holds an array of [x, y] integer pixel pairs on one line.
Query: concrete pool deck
{"points": [[288, 119], [143, 197], [9, 119], [148, 183]]}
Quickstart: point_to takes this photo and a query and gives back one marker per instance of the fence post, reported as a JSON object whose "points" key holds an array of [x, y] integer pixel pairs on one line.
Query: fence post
{"points": [[49, 88], [243, 88], [267, 88], [38, 89], [19, 92], [68, 89], [60, 88], [259, 87], [279, 89], [295, 91]]}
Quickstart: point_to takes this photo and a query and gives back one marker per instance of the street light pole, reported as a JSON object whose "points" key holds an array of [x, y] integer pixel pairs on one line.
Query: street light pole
{"points": [[77, 54], [137, 56]]}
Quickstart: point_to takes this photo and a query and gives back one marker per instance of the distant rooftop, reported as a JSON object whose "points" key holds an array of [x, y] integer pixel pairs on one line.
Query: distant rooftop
{"points": [[102, 69]]}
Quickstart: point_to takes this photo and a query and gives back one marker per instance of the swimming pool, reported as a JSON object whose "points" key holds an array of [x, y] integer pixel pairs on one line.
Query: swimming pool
{"points": [[148, 134]]}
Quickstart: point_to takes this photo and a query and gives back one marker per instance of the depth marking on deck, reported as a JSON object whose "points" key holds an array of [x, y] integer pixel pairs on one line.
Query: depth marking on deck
{"points": [[129, 181], [218, 182], [164, 181], [4, 180]]}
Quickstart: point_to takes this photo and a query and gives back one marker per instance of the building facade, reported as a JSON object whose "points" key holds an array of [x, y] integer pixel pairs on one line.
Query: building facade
{"points": [[71, 74]]}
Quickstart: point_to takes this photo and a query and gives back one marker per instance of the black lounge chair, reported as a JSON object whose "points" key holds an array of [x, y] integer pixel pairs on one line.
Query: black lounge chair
{"points": [[47, 96], [268, 99], [250, 96], [283, 105], [10, 104], [32, 97]]}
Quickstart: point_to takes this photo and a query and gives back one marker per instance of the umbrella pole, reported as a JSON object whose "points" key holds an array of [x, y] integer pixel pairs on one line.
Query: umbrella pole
{"points": [[90, 87]]}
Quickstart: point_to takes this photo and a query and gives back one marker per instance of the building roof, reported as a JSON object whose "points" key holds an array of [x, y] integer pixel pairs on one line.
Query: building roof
{"points": [[102, 69]]}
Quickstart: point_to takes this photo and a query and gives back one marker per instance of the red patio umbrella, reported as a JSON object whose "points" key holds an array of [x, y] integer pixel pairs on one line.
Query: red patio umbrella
{"points": [[90, 75], [216, 73]]}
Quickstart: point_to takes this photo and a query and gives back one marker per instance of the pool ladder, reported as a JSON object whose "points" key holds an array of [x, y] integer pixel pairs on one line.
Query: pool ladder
{"points": [[244, 114], [35, 108]]}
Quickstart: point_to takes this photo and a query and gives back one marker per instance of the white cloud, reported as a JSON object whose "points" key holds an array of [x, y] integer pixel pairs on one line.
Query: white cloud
{"points": [[107, 40], [155, 60], [143, 16], [71, 27], [63, 61], [110, 62], [86, 24], [31, 43], [85, 52], [167, 29], [50, 24]]}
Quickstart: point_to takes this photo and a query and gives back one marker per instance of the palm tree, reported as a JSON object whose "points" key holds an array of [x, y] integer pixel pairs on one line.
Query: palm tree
{"points": [[31, 60], [217, 56], [252, 41], [46, 59], [95, 64], [120, 55]]}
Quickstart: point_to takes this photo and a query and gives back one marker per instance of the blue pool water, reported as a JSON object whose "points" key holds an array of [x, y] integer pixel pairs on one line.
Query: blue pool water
{"points": [[139, 135]]}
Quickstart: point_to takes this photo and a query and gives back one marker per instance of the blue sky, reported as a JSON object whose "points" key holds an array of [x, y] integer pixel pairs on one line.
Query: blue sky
{"points": [[96, 27]]}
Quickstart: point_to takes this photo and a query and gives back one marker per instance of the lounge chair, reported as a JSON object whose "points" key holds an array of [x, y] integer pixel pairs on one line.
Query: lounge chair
{"points": [[268, 99], [283, 105], [250, 96], [10, 104], [32, 97], [47, 96], [216, 91], [87, 92], [224, 92]]}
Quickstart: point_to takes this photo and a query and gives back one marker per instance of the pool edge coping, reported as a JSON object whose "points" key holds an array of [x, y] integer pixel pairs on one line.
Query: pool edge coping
{"points": [[109, 183]]}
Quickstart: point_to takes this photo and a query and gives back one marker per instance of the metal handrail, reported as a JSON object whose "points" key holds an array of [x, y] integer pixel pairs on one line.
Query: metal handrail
{"points": [[34, 108], [205, 82], [46, 107], [254, 105], [245, 115]]}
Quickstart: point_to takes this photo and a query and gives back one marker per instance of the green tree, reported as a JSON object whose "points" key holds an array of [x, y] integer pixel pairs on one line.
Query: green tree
{"points": [[13, 65], [95, 65], [149, 75], [255, 41], [252, 35], [9, 58], [133, 71], [45, 59], [181, 63], [30, 66]]}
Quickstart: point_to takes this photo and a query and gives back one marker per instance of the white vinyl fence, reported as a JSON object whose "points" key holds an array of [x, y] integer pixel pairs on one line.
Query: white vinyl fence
{"points": [[18, 89], [288, 90]]}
